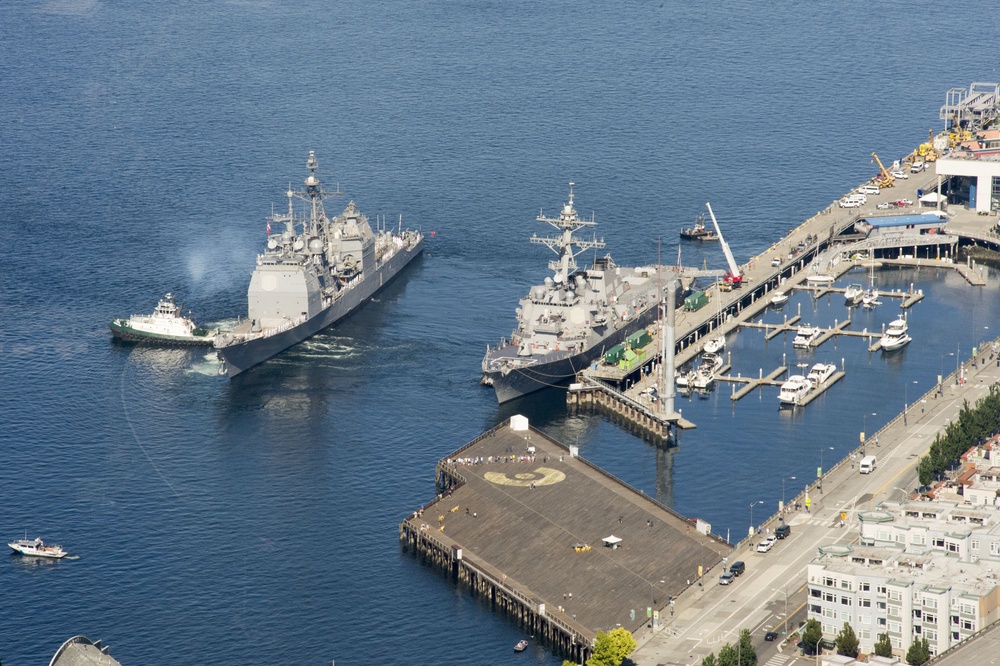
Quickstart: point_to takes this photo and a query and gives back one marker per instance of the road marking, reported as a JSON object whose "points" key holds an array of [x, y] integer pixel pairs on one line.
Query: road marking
{"points": [[777, 660]]}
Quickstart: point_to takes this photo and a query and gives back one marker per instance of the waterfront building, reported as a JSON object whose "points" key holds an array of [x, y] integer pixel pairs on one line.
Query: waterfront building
{"points": [[922, 569]]}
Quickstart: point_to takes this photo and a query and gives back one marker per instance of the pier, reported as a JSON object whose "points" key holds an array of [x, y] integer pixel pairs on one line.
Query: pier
{"points": [[562, 546], [826, 245]]}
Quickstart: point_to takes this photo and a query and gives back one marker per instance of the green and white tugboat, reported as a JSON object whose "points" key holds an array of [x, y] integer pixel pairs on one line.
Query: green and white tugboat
{"points": [[166, 326]]}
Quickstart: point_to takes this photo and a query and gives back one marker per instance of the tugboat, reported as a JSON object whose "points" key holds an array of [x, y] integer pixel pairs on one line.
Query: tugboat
{"points": [[569, 321], [314, 272], [38, 548], [166, 326], [699, 232]]}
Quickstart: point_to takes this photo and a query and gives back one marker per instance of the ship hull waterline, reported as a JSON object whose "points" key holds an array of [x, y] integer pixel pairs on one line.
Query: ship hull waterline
{"points": [[240, 357]]}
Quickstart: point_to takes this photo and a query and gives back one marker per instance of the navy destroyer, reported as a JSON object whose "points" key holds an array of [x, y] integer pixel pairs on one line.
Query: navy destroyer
{"points": [[314, 272], [569, 321]]}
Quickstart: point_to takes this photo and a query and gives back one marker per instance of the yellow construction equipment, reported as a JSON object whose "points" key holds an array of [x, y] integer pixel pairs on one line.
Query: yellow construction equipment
{"points": [[926, 151], [884, 179]]}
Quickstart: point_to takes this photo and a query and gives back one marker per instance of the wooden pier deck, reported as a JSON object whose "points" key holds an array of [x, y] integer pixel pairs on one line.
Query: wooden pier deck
{"points": [[521, 520]]}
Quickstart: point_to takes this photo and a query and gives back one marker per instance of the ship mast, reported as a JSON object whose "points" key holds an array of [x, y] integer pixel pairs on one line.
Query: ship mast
{"points": [[568, 223]]}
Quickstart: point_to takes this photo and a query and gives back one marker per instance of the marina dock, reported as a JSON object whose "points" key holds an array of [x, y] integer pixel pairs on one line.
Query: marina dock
{"points": [[823, 245], [561, 545]]}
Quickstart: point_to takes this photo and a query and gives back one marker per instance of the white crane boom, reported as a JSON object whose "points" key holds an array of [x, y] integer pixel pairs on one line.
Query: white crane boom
{"points": [[735, 276]]}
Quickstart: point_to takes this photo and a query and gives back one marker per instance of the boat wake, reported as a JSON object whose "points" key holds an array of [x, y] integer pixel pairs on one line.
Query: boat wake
{"points": [[209, 365]]}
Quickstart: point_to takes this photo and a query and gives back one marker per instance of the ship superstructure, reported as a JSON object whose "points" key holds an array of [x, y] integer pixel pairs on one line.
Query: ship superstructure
{"points": [[569, 320], [314, 271]]}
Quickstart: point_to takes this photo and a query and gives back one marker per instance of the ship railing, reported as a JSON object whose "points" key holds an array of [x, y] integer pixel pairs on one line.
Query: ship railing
{"points": [[229, 339]]}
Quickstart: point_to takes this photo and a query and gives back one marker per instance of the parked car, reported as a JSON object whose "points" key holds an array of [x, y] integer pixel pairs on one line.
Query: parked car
{"points": [[902, 203], [726, 578], [737, 568], [776, 262], [850, 203], [898, 173], [782, 531], [917, 167], [766, 544], [869, 189], [885, 205]]}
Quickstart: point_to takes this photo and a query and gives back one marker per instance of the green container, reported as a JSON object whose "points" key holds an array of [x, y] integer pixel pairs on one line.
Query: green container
{"points": [[614, 354], [696, 301], [639, 339]]}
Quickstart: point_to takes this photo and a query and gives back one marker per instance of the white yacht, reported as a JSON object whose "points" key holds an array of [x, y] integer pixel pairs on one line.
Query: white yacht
{"points": [[794, 390], [819, 279], [38, 548], [895, 335], [805, 336], [870, 300], [853, 294], [704, 376], [821, 372], [779, 299]]}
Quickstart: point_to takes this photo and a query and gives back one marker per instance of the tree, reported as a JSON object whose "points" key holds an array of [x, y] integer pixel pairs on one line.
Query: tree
{"points": [[847, 642], [747, 652], [812, 634], [610, 649], [919, 653], [709, 660], [728, 656], [883, 646]]}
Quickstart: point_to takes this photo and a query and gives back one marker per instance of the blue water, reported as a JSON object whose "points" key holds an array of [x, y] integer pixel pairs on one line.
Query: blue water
{"points": [[142, 146]]}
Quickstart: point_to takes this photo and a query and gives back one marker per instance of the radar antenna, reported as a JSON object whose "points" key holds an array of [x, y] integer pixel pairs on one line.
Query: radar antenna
{"points": [[568, 223]]}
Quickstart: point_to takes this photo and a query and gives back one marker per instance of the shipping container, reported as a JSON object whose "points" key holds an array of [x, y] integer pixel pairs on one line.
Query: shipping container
{"points": [[696, 301], [614, 354], [640, 339]]}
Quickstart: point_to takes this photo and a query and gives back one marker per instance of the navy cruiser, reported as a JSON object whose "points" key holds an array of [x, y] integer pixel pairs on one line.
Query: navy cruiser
{"points": [[569, 321], [315, 271]]}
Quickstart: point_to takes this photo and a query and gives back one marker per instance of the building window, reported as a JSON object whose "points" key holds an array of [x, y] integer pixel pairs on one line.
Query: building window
{"points": [[897, 643], [968, 625], [864, 619], [845, 601], [864, 587], [815, 592], [894, 611], [881, 621], [916, 613], [974, 544], [864, 602], [830, 582], [830, 613], [894, 595], [815, 610], [918, 539], [955, 636], [930, 619], [952, 547], [880, 590], [968, 609], [916, 629], [830, 596], [930, 635], [938, 542], [994, 547], [930, 602], [866, 634], [894, 627], [954, 620], [845, 584], [880, 605]]}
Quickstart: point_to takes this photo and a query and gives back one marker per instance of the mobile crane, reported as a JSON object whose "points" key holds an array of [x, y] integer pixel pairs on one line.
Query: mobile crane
{"points": [[734, 278], [884, 179]]}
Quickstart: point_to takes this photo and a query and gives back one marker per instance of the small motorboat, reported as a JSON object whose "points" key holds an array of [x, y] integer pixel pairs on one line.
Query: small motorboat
{"points": [[853, 295], [821, 372], [820, 279], [521, 645], [38, 548], [870, 300], [805, 337], [779, 299]]}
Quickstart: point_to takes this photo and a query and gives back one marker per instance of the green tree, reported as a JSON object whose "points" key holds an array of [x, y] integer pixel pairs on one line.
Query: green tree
{"points": [[812, 634], [847, 642], [567, 662], [883, 646], [747, 652], [728, 656], [611, 648], [919, 653], [709, 660]]}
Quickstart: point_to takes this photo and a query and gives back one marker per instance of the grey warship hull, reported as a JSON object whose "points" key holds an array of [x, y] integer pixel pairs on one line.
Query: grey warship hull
{"points": [[241, 356], [556, 368]]}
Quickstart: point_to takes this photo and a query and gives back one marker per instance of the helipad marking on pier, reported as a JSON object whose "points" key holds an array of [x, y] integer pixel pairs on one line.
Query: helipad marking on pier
{"points": [[543, 476]]}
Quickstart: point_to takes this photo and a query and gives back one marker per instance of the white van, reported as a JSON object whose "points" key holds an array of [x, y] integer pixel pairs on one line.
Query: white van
{"points": [[869, 189], [867, 465]]}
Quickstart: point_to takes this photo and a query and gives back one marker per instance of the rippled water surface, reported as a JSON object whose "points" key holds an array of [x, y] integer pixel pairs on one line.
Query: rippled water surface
{"points": [[256, 520]]}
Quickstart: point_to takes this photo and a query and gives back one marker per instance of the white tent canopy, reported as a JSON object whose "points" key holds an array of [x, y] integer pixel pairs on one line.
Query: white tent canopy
{"points": [[931, 197], [611, 540]]}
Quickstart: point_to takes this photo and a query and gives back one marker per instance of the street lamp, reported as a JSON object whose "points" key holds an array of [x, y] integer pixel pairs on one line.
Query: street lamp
{"points": [[820, 470], [783, 495], [906, 399], [752, 505], [864, 431]]}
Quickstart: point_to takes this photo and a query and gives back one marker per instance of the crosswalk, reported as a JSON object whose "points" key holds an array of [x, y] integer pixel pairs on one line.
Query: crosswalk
{"points": [[777, 660]]}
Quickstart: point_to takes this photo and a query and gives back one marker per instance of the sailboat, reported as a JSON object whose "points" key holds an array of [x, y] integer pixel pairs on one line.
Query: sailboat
{"points": [[716, 344], [869, 300]]}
